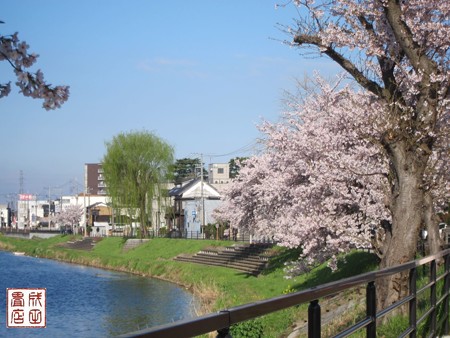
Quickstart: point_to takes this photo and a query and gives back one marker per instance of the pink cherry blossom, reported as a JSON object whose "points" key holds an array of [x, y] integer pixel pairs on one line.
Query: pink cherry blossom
{"points": [[70, 215], [31, 84], [357, 166]]}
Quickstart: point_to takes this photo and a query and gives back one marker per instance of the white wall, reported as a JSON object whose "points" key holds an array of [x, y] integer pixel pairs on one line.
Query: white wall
{"points": [[4, 213]]}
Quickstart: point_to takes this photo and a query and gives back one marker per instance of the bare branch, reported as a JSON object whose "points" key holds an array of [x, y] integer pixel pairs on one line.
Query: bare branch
{"points": [[345, 63]]}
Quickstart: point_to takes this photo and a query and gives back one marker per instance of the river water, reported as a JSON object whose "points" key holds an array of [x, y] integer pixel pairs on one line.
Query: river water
{"points": [[88, 302]]}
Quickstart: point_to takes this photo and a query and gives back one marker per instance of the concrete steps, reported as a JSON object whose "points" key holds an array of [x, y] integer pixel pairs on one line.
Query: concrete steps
{"points": [[132, 243], [251, 259]]}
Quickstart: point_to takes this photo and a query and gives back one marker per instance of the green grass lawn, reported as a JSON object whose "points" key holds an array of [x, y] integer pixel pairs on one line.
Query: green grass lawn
{"points": [[217, 287]]}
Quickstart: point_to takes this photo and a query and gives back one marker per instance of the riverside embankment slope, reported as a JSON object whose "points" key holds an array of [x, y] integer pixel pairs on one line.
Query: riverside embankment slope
{"points": [[216, 287]]}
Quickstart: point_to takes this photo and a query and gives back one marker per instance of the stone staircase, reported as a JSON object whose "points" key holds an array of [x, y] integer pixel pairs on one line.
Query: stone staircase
{"points": [[251, 258], [132, 243]]}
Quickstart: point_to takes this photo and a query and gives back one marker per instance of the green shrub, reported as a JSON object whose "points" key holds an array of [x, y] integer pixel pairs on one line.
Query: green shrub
{"points": [[288, 290], [248, 329]]}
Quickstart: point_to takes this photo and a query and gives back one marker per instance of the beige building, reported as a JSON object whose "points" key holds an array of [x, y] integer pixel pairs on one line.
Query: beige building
{"points": [[219, 175]]}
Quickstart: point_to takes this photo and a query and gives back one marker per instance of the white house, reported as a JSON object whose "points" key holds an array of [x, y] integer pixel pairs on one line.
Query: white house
{"points": [[194, 203]]}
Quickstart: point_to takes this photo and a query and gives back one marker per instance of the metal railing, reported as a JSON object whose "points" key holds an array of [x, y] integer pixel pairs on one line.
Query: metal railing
{"points": [[197, 235], [224, 319], [6, 230], [27, 230]]}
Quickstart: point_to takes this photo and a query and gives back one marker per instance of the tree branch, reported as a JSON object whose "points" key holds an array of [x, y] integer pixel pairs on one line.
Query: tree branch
{"points": [[387, 66], [404, 38], [345, 63]]}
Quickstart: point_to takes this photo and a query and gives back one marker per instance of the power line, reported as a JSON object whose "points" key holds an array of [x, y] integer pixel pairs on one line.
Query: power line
{"points": [[248, 147]]}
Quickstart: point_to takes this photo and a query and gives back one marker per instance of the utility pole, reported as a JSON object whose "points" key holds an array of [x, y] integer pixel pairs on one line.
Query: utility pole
{"points": [[202, 197], [86, 209], [84, 214], [20, 193], [49, 205], [55, 191], [21, 182]]}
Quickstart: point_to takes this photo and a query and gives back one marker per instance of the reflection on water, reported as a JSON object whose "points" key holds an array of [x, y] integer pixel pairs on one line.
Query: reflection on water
{"points": [[89, 302]]}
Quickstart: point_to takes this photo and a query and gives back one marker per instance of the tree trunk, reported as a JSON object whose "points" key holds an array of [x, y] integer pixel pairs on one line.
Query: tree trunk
{"points": [[431, 221], [143, 218], [407, 201]]}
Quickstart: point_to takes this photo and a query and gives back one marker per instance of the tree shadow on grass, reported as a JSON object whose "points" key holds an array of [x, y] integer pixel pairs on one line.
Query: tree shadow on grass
{"points": [[353, 264], [246, 274], [278, 261]]}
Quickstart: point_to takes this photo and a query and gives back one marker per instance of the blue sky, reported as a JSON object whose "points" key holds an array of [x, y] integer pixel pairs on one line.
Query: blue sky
{"points": [[199, 74]]}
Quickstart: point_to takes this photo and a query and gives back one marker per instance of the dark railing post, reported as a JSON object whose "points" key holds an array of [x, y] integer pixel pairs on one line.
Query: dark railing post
{"points": [[433, 296], [446, 292], [224, 333], [413, 302], [314, 319], [371, 309]]}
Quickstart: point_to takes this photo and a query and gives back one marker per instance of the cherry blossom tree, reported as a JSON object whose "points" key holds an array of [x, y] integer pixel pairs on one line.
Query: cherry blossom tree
{"points": [[69, 215], [15, 52], [399, 52], [320, 184], [323, 182]]}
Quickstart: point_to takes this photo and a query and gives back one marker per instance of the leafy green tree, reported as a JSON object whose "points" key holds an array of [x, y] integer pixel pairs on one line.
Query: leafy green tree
{"points": [[136, 168], [185, 169], [235, 165]]}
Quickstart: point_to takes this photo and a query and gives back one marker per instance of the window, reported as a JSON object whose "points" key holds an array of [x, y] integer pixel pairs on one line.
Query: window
{"points": [[220, 170]]}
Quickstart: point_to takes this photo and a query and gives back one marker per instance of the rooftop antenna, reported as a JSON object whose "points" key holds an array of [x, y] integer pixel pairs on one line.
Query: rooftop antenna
{"points": [[21, 182]]}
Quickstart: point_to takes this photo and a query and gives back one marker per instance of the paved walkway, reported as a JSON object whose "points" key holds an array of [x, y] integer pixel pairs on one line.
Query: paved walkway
{"points": [[86, 244]]}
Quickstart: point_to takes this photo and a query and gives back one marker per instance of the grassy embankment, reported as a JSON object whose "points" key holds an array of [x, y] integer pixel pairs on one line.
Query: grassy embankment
{"points": [[216, 287]]}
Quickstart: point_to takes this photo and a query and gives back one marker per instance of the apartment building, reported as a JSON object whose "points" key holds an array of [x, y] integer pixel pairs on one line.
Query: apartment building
{"points": [[94, 181]]}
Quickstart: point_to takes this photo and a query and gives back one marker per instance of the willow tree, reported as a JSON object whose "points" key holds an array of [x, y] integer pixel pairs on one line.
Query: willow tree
{"points": [[136, 168]]}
